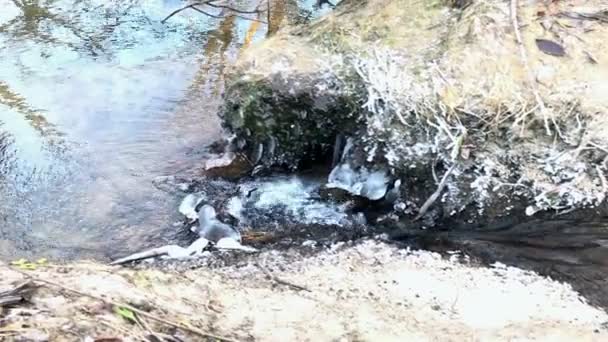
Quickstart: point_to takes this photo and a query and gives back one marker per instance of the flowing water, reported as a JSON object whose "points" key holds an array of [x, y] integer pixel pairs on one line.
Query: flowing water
{"points": [[97, 99]]}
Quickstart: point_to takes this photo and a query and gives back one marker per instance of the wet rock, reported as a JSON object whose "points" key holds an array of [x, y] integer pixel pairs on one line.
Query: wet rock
{"points": [[228, 165], [335, 194], [283, 119]]}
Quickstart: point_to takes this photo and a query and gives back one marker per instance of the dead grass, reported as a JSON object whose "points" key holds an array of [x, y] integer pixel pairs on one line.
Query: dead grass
{"points": [[455, 85]]}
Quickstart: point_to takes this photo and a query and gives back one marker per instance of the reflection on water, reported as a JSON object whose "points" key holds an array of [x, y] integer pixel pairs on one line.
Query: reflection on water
{"points": [[97, 98]]}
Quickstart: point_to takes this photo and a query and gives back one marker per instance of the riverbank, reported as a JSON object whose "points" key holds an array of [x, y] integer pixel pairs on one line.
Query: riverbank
{"points": [[356, 291], [474, 113]]}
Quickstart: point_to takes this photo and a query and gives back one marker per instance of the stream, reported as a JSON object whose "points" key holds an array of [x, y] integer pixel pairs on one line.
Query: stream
{"points": [[97, 99], [100, 101]]}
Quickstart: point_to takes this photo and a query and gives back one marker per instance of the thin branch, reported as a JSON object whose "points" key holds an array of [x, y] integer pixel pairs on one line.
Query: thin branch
{"points": [[425, 207], [236, 10], [283, 282], [195, 7], [206, 13], [176, 12]]}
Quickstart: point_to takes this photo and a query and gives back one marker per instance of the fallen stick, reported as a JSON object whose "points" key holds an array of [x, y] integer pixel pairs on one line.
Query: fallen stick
{"points": [[283, 282], [182, 326], [427, 204]]}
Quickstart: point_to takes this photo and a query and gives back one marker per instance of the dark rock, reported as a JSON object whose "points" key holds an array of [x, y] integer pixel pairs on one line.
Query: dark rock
{"points": [[229, 165]]}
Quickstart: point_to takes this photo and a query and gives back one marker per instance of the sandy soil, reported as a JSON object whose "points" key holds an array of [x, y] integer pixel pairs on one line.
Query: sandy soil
{"points": [[351, 292]]}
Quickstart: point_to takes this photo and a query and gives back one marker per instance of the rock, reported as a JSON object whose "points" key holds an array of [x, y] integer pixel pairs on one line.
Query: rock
{"points": [[228, 165], [335, 194]]}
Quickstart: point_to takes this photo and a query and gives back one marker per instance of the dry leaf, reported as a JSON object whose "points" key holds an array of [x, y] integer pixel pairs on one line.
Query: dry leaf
{"points": [[550, 47]]}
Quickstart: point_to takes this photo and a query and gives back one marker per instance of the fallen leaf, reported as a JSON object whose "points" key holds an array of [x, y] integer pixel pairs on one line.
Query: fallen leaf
{"points": [[24, 264], [19, 262], [27, 266], [550, 47], [125, 313]]}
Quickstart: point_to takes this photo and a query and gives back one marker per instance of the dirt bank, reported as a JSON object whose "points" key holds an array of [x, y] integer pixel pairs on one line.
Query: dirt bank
{"points": [[504, 100], [365, 291]]}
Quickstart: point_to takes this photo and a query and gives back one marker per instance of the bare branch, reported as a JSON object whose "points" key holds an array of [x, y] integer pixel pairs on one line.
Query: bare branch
{"points": [[195, 6], [427, 204], [230, 8], [176, 12]]}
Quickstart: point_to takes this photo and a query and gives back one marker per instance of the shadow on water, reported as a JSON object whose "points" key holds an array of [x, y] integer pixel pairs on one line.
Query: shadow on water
{"points": [[97, 99]]}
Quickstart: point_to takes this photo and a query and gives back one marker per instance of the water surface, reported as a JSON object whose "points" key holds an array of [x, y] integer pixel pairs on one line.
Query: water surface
{"points": [[97, 99]]}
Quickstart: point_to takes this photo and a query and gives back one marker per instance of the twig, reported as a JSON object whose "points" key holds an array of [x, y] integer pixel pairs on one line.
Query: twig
{"points": [[206, 13], [211, 4], [603, 180], [283, 282], [236, 10], [123, 331], [146, 327], [176, 12], [524, 59], [425, 207], [179, 325]]}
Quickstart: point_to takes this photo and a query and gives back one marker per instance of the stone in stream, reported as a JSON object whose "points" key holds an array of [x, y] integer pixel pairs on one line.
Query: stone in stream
{"points": [[228, 165]]}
